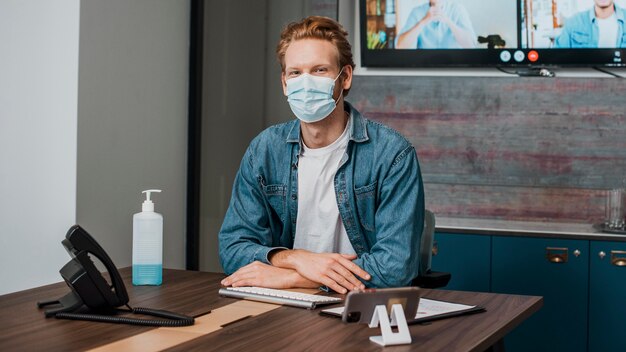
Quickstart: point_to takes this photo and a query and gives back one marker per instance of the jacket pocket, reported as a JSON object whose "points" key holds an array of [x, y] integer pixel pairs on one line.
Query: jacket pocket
{"points": [[366, 205], [581, 40], [276, 196]]}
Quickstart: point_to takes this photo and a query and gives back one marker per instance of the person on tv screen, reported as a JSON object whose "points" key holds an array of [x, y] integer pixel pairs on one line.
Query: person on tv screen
{"points": [[329, 198], [438, 24], [602, 26]]}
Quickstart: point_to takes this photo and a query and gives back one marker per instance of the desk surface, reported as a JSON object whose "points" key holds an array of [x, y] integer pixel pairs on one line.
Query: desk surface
{"points": [[23, 326]]}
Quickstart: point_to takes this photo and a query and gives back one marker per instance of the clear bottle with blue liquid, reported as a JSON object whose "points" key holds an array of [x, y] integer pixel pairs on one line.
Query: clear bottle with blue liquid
{"points": [[148, 244]]}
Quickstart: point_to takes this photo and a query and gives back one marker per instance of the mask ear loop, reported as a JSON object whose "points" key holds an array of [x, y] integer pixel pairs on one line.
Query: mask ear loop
{"points": [[340, 93], [340, 72], [339, 97]]}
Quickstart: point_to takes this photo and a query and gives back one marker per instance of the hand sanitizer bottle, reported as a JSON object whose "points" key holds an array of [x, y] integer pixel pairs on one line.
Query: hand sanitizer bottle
{"points": [[148, 244]]}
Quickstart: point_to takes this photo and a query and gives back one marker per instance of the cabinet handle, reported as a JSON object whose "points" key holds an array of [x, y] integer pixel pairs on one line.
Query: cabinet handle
{"points": [[576, 253], [435, 249], [618, 258], [556, 255], [601, 254]]}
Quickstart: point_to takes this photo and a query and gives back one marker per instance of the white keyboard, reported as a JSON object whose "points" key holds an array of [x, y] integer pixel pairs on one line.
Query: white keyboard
{"points": [[269, 295]]}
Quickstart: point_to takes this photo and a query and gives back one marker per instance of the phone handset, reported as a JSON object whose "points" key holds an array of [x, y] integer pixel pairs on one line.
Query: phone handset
{"points": [[78, 244]]}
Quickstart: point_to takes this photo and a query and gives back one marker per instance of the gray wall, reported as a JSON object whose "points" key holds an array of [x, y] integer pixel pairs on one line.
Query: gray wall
{"points": [[38, 92], [132, 120], [243, 95]]}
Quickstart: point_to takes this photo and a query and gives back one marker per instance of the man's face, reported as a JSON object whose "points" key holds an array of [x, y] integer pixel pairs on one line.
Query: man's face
{"points": [[316, 57], [604, 3]]}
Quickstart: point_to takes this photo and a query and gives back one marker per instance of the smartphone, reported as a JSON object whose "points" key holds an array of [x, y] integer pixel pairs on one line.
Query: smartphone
{"points": [[360, 305]]}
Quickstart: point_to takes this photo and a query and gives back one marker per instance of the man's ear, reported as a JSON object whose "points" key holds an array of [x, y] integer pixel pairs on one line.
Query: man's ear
{"points": [[347, 77], [283, 82]]}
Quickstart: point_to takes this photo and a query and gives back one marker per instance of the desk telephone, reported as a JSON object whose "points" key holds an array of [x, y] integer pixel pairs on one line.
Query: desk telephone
{"points": [[89, 288]]}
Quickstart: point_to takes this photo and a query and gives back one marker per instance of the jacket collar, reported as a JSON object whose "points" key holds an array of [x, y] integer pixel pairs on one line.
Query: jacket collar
{"points": [[358, 133], [619, 13]]}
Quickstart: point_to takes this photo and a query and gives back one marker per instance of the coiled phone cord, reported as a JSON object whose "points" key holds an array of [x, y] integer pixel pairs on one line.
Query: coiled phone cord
{"points": [[175, 320]]}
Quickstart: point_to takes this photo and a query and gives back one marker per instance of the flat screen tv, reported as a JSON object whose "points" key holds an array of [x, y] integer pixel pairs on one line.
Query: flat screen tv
{"points": [[483, 33]]}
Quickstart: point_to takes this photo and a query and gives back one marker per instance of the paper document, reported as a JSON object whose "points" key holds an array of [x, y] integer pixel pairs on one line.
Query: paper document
{"points": [[427, 308], [430, 307]]}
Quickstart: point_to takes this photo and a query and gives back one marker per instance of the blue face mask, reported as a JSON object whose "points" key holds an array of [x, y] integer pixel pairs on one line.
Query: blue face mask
{"points": [[311, 97]]}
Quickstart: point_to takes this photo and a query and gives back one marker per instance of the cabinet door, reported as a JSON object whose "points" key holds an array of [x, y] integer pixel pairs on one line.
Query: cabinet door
{"points": [[556, 269], [607, 296], [466, 257]]}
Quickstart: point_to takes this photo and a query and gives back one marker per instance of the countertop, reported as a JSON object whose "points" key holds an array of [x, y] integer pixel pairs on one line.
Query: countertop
{"points": [[524, 228]]}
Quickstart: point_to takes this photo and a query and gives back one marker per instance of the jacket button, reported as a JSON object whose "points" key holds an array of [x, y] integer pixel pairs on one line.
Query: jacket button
{"points": [[294, 196]]}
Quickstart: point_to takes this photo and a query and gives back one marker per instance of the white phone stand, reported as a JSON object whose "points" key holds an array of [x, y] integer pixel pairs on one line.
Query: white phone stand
{"points": [[388, 337]]}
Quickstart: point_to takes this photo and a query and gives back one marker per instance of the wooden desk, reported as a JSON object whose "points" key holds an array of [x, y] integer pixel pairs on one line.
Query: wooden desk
{"points": [[23, 326]]}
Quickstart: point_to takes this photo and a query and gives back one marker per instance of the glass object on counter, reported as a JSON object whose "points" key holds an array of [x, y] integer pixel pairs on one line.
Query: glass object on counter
{"points": [[615, 208]]}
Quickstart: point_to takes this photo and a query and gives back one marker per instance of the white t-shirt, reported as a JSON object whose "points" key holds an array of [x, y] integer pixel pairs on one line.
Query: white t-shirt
{"points": [[319, 227], [607, 32]]}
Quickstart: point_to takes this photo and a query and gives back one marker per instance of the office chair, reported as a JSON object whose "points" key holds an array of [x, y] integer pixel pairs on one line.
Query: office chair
{"points": [[427, 278]]}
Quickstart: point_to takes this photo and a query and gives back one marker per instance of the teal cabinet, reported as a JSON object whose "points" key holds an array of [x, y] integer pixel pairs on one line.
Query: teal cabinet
{"points": [[607, 296], [556, 269], [583, 283], [466, 257]]}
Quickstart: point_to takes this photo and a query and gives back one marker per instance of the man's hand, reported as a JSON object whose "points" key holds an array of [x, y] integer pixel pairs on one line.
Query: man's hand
{"points": [[263, 275], [434, 14], [408, 39], [336, 271]]}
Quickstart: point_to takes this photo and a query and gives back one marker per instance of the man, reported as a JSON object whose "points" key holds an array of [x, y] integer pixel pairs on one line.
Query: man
{"points": [[327, 199], [437, 24], [602, 26]]}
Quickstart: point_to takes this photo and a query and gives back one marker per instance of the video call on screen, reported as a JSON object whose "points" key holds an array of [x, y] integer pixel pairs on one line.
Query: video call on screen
{"points": [[473, 24]]}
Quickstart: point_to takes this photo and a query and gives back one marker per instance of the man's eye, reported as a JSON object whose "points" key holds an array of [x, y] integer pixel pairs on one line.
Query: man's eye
{"points": [[321, 70], [293, 73]]}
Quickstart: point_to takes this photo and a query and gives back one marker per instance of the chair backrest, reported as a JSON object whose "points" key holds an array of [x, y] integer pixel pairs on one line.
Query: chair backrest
{"points": [[426, 248], [427, 278]]}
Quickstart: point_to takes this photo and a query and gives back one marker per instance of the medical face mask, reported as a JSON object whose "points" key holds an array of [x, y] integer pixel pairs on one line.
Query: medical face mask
{"points": [[311, 97]]}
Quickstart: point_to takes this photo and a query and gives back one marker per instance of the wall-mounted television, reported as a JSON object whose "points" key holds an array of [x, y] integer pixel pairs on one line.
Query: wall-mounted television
{"points": [[483, 33]]}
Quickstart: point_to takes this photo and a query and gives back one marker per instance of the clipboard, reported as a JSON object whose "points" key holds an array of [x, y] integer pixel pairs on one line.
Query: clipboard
{"points": [[428, 310]]}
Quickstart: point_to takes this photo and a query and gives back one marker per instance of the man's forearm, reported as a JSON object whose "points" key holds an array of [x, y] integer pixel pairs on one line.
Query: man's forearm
{"points": [[280, 258], [408, 39], [462, 36], [334, 270], [264, 275], [300, 281]]}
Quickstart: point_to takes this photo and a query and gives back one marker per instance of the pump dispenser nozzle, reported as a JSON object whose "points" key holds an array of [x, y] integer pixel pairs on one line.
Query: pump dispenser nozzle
{"points": [[148, 205]]}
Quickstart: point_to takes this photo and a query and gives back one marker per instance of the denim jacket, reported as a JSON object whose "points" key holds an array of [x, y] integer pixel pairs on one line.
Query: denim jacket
{"points": [[379, 194], [581, 30]]}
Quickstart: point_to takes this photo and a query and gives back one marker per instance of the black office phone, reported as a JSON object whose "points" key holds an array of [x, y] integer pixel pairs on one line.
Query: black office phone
{"points": [[91, 291]]}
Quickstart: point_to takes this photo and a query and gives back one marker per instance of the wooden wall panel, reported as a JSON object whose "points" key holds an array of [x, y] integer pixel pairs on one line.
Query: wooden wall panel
{"points": [[508, 148]]}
